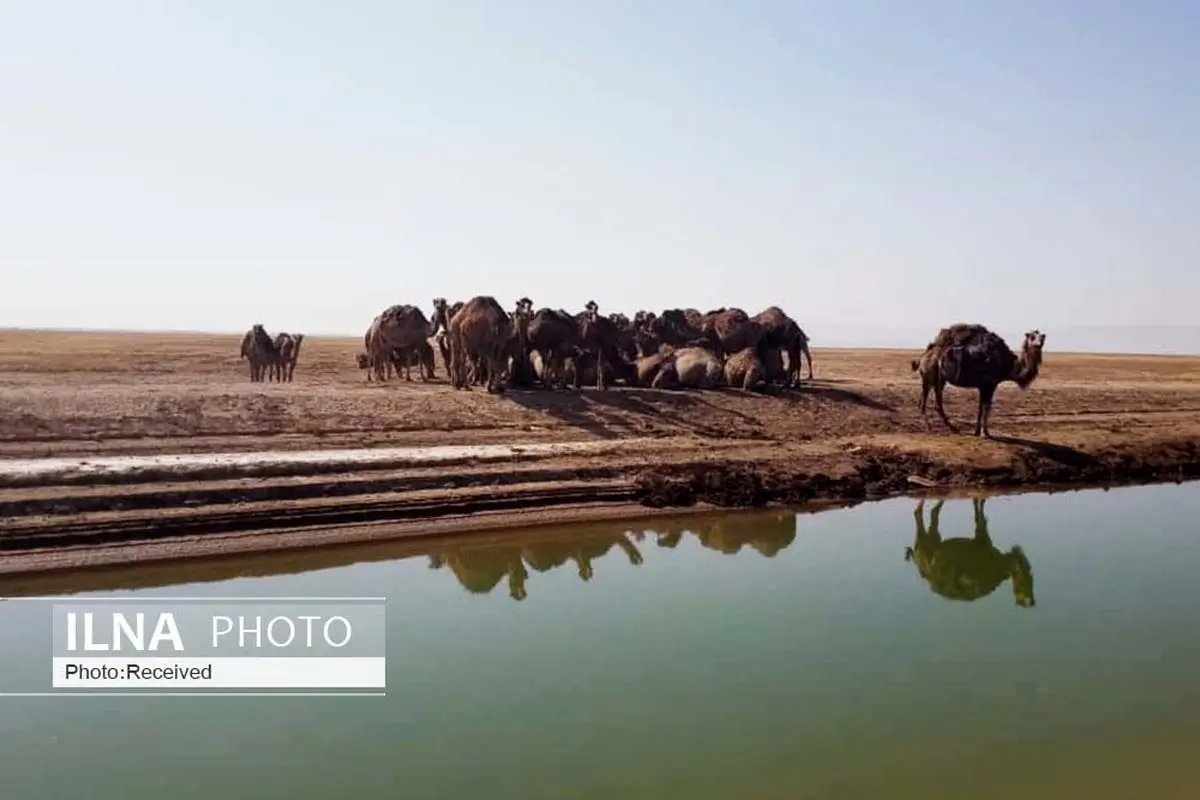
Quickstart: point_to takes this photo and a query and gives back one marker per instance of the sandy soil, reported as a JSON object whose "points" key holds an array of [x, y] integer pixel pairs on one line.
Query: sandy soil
{"points": [[854, 433]]}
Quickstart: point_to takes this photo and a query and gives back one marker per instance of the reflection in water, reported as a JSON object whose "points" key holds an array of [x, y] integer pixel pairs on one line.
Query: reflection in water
{"points": [[768, 534], [967, 569], [480, 568]]}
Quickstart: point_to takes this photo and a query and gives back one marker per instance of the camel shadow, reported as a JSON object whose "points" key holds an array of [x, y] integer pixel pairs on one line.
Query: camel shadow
{"points": [[619, 411], [571, 407], [826, 392], [1068, 456]]}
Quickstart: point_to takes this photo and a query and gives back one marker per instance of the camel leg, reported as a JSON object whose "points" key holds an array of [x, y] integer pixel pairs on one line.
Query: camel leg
{"points": [[935, 521], [631, 551], [986, 394], [981, 523], [926, 386], [939, 387], [600, 372]]}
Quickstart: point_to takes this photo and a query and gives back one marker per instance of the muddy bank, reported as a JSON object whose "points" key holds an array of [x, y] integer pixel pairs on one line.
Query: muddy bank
{"points": [[149, 523]]}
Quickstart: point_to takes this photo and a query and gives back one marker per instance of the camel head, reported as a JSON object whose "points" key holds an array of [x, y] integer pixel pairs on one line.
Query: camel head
{"points": [[525, 306], [363, 360], [592, 308], [1027, 367], [642, 320], [1034, 341], [1022, 578], [441, 314]]}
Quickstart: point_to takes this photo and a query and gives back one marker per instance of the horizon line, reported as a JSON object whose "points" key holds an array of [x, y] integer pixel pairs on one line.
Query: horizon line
{"points": [[816, 346]]}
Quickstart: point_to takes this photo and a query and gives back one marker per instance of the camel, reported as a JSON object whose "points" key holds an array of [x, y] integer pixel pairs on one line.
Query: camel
{"points": [[600, 337], [732, 328], [649, 366], [402, 326], [967, 569], [972, 357], [287, 353], [780, 332], [480, 330], [554, 336], [744, 369], [521, 370], [259, 350], [692, 368], [442, 336], [419, 355]]}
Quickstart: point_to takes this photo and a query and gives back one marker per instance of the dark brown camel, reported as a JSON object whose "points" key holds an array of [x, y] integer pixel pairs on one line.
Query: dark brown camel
{"points": [[554, 336], [972, 357], [402, 327], [781, 332], [259, 350], [600, 338], [732, 328], [481, 330], [287, 353]]}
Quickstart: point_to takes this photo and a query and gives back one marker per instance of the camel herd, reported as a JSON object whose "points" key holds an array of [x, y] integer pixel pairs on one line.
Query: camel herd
{"points": [[482, 344]]}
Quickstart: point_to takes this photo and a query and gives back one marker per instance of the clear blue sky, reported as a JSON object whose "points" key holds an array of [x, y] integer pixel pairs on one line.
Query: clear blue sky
{"points": [[901, 164]]}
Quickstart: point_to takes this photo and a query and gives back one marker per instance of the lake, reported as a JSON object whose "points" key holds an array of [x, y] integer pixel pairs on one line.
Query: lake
{"points": [[838, 654]]}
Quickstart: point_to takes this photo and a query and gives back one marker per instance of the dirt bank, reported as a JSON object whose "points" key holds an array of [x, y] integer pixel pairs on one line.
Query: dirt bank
{"points": [[108, 406]]}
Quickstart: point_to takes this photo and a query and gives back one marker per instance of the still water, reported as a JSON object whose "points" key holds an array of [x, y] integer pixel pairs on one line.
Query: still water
{"points": [[1031, 646]]}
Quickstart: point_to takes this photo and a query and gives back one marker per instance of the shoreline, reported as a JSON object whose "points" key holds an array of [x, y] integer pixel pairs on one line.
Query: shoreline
{"points": [[134, 449], [798, 479]]}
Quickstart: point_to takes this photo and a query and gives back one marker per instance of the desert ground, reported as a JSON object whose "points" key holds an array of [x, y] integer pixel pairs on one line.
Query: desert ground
{"points": [[852, 433]]}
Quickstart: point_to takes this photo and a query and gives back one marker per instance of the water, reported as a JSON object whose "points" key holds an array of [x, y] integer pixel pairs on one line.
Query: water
{"points": [[771, 655]]}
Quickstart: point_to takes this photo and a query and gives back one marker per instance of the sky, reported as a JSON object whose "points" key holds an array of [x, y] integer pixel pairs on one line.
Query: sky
{"points": [[877, 169]]}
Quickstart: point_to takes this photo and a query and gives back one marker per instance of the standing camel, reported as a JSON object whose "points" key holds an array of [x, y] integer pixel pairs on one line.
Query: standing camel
{"points": [[480, 332], [400, 327], [259, 350], [287, 353], [972, 357]]}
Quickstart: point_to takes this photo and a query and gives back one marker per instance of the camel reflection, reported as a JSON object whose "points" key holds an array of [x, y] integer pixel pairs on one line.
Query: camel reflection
{"points": [[766, 533], [967, 569], [480, 569]]}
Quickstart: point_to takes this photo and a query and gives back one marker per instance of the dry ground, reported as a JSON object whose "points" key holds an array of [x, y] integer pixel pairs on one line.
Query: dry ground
{"points": [[856, 429]]}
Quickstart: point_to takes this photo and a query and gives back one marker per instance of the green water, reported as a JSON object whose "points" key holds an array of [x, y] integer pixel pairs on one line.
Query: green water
{"points": [[770, 655]]}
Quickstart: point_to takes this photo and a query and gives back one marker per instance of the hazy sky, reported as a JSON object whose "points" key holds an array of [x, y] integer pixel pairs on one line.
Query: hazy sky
{"points": [[902, 164]]}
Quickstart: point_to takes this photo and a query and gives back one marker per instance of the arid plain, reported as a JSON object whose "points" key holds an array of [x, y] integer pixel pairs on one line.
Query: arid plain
{"points": [[853, 433]]}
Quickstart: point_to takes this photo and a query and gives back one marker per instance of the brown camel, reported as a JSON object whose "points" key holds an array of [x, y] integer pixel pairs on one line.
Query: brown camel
{"points": [[745, 370], [287, 353], [781, 332], [732, 328], [480, 330], [972, 357], [402, 327], [443, 335], [259, 350], [690, 368]]}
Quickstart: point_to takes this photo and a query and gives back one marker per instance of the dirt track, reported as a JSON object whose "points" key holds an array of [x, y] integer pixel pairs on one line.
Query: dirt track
{"points": [[855, 433]]}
